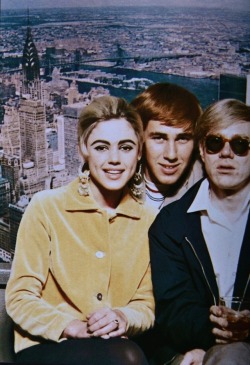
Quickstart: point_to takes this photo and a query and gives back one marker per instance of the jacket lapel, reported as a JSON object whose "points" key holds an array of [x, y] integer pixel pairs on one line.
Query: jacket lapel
{"points": [[195, 236], [243, 270]]}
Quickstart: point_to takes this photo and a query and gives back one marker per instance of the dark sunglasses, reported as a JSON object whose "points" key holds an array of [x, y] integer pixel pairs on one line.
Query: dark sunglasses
{"points": [[215, 144]]}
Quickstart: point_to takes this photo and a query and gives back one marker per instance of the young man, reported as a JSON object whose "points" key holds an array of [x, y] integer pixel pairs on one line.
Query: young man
{"points": [[200, 248], [169, 114]]}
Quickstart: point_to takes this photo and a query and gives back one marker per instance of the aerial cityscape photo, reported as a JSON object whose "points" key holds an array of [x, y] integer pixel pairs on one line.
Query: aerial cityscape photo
{"points": [[55, 60]]}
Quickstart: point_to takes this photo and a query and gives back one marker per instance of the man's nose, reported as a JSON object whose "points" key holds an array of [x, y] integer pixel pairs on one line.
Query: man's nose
{"points": [[170, 150], [227, 151]]}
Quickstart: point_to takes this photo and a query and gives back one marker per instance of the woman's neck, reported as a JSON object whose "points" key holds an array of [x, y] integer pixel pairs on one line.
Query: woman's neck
{"points": [[105, 198]]}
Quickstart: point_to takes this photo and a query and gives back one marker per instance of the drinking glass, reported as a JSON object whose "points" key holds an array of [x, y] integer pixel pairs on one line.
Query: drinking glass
{"points": [[237, 312]]}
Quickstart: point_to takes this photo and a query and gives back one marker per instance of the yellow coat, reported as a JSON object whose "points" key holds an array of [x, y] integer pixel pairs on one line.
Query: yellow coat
{"points": [[71, 258]]}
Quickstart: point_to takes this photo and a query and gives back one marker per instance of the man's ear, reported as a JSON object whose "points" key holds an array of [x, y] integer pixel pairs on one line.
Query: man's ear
{"points": [[201, 149]]}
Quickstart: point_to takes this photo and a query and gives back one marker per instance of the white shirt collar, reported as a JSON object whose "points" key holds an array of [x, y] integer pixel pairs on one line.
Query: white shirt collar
{"points": [[201, 201]]}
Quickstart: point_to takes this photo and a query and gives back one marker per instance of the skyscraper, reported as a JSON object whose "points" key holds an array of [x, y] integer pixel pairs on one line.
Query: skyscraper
{"points": [[10, 160], [71, 114], [33, 137], [31, 69], [32, 118], [24, 156], [4, 195]]}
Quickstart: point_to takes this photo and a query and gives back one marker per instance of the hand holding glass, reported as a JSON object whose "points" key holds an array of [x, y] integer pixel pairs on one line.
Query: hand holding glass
{"points": [[237, 313]]}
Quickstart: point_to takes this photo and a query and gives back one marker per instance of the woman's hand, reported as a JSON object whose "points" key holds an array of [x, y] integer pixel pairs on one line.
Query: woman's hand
{"points": [[106, 323], [194, 357], [76, 329]]}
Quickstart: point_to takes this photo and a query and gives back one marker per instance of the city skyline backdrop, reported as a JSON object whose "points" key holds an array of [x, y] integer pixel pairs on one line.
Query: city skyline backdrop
{"points": [[203, 50], [23, 4]]}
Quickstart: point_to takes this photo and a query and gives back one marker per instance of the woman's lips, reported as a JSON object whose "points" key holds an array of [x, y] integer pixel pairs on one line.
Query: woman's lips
{"points": [[113, 173]]}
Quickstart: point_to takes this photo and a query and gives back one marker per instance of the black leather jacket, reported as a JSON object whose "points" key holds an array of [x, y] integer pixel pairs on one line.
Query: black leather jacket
{"points": [[184, 280]]}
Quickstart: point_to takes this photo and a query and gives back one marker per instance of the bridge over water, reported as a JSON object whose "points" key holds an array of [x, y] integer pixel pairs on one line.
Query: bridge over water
{"points": [[117, 59]]}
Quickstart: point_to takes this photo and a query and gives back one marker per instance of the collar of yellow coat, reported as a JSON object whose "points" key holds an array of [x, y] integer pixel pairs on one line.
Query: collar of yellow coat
{"points": [[73, 201]]}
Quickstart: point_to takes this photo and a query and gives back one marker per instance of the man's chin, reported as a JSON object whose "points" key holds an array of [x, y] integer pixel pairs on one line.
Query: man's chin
{"points": [[168, 180]]}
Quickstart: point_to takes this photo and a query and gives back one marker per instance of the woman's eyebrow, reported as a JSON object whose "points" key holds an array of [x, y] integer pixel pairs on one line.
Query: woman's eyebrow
{"points": [[108, 143], [126, 141], [100, 141]]}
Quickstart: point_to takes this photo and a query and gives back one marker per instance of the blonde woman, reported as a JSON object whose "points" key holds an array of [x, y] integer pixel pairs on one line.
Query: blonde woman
{"points": [[80, 285]]}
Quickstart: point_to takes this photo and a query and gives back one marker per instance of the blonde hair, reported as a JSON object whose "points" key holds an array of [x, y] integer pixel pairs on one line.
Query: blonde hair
{"points": [[221, 114], [105, 108]]}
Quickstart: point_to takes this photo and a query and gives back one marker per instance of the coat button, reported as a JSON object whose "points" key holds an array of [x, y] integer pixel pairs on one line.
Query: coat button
{"points": [[99, 296], [99, 254]]}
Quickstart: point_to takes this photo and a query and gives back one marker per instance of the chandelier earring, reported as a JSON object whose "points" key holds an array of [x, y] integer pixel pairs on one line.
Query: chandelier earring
{"points": [[84, 175], [137, 183]]}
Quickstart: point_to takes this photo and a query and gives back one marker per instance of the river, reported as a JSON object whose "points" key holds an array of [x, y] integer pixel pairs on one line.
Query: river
{"points": [[205, 89]]}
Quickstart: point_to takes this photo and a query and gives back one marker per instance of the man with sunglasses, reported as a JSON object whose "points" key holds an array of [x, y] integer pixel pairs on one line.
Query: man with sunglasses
{"points": [[200, 248]]}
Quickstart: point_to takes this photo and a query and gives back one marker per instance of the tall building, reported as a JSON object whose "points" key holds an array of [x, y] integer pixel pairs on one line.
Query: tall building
{"points": [[5, 195], [32, 119], [10, 170], [16, 212], [61, 139], [11, 131], [24, 155], [72, 93], [5, 251], [71, 115], [33, 134], [31, 69], [10, 161], [231, 86]]}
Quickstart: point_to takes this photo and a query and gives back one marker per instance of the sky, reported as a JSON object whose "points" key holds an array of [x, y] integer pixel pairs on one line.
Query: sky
{"points": [[24, 4]]}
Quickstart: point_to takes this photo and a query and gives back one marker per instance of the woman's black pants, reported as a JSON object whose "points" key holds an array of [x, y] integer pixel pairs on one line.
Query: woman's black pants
{"points": [[91, 351]]}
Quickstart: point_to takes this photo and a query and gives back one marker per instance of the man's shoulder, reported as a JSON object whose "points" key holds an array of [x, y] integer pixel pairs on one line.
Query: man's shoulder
{"points": [[185, 201], [173, 219]]}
